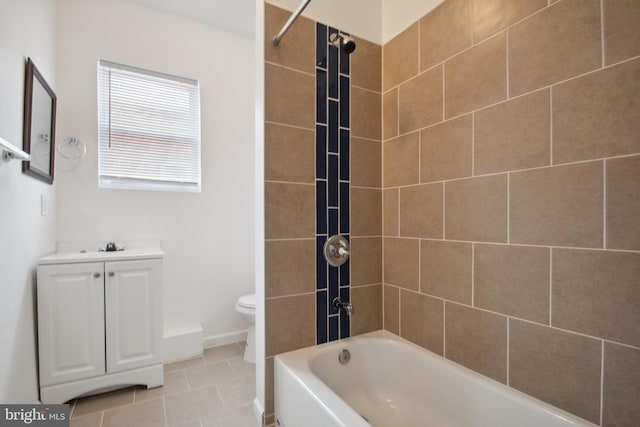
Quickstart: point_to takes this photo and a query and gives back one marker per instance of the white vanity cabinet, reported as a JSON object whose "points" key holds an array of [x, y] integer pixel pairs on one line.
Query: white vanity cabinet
{"points": [[99, 323]]}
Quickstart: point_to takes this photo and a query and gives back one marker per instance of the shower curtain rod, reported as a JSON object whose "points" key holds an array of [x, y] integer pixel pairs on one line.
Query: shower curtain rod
{"points": [[294, 16]]}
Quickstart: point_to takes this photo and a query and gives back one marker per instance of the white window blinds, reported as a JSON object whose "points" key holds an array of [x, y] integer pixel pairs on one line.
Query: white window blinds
{"points": [[148, 129]]}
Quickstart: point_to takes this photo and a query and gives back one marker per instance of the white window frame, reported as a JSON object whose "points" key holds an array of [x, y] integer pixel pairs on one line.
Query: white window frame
{"points": [[136, 127]]}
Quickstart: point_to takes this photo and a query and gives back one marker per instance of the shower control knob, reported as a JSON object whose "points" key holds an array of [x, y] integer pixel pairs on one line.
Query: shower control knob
{"points": [[336, 250]]}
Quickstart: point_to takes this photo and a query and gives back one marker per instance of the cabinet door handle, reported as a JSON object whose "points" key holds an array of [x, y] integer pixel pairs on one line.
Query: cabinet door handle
{"points": [[96, 275], [111, 274]]}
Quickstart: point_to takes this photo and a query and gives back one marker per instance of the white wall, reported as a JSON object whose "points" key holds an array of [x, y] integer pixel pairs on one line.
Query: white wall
{"points": [[208, 236], [27, 29]]}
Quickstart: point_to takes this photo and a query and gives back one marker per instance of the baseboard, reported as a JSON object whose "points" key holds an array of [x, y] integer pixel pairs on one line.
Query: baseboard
{"points": [[182, 343], [223, 339]]}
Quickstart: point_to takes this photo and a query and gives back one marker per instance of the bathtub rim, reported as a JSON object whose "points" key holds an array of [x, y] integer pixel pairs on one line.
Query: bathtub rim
{"points": [[298, 363]]}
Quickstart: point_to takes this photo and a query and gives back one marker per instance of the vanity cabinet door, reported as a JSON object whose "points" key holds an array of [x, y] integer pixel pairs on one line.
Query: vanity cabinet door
{"points": [[133, 304], [70, 322]]}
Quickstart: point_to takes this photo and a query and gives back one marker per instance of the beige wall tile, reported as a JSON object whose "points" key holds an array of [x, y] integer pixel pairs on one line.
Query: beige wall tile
{"points": [[421, 211], [476, 339], [513, 280], [401, 161], [290, 97], [623, 203], [597, 293], [390, 114], [366, 163], [401, 262], [421, 320], [400, 58], [621, 391], [555, 44], [289, 210], [476, 209], [366, 260], [444, 31], [366, 212], [476, 78], [558, 367], [445, 150], [366, 65], [391, 214], [597, 115], [445, 270], [289, 154], [391, 309], [557, 206], [366, 113], [367, 304], [513, 135], [621, 30], [290, 323], [290, 267], [298, 49], [420, 101], [490, 16]]}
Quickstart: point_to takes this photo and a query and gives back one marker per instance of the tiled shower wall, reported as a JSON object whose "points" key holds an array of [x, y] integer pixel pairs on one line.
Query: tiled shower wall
{"points": [[290, 188], [511, 196]]}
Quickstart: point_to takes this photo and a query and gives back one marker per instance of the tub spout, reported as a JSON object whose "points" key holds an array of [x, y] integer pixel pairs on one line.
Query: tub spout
{"points": [[343, 305]]}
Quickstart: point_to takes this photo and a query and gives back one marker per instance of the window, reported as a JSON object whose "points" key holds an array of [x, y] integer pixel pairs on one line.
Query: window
{"points": [[148, 130]]}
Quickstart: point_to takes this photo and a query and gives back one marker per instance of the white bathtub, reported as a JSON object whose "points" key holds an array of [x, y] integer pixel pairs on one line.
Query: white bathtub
{"points": [[390, 382]]}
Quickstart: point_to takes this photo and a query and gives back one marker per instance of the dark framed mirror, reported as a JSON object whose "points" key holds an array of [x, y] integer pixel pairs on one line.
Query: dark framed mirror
{"points": [[39, 125]]}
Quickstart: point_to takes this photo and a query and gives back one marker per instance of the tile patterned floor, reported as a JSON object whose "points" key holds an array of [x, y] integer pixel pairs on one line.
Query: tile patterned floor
{"points": [[214, 390]]}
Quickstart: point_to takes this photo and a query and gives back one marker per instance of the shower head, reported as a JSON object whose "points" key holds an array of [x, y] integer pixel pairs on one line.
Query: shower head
{"points": [[345, 42]]}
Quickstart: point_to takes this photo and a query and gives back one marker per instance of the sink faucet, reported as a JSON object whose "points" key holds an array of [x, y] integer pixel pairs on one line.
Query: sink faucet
{"points": [[343, 305]]}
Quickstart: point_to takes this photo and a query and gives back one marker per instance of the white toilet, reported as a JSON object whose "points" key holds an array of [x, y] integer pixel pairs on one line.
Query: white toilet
{"points": [[246, 305]]}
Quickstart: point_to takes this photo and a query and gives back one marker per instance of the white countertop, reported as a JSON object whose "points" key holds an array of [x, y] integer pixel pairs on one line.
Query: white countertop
{"points": [[69, 252]]}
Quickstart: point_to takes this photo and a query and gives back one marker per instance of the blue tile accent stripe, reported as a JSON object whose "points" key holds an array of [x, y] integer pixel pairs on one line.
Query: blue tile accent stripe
{"points": [[333, 90]]}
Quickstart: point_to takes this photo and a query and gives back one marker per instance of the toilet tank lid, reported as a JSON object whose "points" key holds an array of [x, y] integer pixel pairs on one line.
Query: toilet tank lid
{"points": [[248, 301]]}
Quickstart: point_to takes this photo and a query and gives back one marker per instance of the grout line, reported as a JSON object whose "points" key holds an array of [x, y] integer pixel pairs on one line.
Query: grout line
{"points": [[275, 64], [398, 113], [164, 407], [602, 32], [419, 265], [399, 314], [419, 45], [550, 285], [602, 383], [604, 204], [444, 328], [444, 64], [508, 349], [507, 59], [398, 227], [473, 274], [293, 126], [101, 418], [473, 144], [444, 203], [508, 207], [551, 126], [293, 238]]}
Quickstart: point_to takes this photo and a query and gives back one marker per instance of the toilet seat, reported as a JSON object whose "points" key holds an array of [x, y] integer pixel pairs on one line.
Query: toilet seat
{"points": [[247, 301]]}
